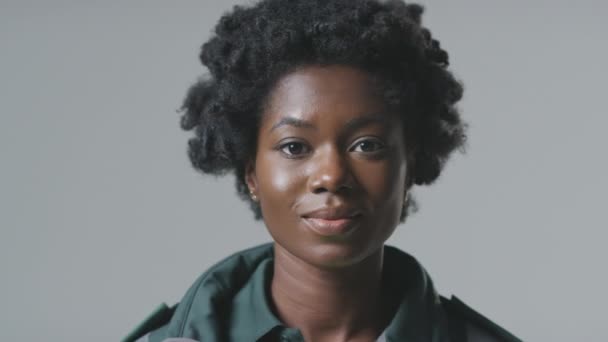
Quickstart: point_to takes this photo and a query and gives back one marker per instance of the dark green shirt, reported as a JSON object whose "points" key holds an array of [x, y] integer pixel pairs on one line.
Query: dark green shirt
{"points": [[230, 302]]}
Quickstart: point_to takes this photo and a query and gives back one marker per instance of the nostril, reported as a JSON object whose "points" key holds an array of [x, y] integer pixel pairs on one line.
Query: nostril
{"points": [[330, 176], [319, 190]]}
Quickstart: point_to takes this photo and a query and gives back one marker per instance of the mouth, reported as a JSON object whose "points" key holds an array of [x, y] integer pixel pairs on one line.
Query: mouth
{"points": [[331, 227], [335, 222]]}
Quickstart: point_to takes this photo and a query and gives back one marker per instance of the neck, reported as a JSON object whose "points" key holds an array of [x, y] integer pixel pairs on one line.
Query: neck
{"points": [[329, 303]]}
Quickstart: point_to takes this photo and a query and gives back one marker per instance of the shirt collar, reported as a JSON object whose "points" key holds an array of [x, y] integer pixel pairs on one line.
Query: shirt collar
{"points": [[232, 299], [252, 316], [419, 315]]}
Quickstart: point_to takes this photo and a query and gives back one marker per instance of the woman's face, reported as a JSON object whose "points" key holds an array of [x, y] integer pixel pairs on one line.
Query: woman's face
{"points": [[330, 167]]}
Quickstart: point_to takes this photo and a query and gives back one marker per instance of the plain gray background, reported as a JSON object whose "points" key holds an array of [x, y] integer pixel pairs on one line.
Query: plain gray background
{"points": [[102, 217]]}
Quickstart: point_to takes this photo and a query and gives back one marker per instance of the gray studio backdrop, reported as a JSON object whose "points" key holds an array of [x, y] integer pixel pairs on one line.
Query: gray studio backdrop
{"points": [[102, 218]]}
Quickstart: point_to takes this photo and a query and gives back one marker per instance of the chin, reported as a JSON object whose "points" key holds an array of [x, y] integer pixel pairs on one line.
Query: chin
{"points": [[337, 254]]}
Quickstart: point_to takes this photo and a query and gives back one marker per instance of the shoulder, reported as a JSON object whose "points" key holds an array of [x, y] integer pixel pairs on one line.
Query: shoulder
{"points": [[471, 326], [210, 291], [155, 321]]}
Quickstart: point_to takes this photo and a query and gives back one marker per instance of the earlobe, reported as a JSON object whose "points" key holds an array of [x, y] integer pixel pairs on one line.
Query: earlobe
{"points": [[251, 180], [409, 175], [406, 200]]}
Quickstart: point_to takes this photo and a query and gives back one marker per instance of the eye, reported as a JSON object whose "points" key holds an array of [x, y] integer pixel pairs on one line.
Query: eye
{"points": [[294, 148], [368, 146]]}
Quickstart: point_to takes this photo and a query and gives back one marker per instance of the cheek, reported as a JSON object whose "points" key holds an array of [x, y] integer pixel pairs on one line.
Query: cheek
{"points": [[278, 184], [384, 182], [279, 187]]}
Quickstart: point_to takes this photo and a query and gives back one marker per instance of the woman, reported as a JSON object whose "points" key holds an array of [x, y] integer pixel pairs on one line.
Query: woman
{"points": [[328, 112]]}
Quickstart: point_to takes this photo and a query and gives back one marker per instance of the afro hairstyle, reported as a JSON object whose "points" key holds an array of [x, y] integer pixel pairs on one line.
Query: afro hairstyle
{"points": [[253, 46]]}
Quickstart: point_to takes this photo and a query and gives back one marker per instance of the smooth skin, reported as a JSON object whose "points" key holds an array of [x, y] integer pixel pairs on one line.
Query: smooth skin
{"points": [[327, 141]]}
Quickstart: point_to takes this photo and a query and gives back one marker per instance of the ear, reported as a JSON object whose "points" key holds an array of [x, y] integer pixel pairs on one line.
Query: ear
{"points": [[409, 180], [250, 177], [409, 175]]}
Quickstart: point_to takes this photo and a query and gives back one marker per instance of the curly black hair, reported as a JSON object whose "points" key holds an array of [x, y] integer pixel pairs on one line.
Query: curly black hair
{"points": [[254, 46]]}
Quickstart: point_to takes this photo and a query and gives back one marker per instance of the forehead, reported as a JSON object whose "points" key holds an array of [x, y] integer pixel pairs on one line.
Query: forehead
{"points": [[324, 88]]}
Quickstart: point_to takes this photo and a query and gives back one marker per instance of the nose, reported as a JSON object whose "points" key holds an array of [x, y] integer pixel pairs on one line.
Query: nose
{"points": [[331, 172]]}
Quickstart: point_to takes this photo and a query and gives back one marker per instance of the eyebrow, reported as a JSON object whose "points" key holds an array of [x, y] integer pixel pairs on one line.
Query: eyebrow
{"points": [[289, 121], [352, 125], [363, 121]]}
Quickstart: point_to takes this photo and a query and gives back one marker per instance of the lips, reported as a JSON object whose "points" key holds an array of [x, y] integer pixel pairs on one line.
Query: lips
{"points": [[332, 221]]}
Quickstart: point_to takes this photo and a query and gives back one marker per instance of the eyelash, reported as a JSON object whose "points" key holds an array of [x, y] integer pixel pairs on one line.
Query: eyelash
{"points": [[379, 145], [281, 147]]}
